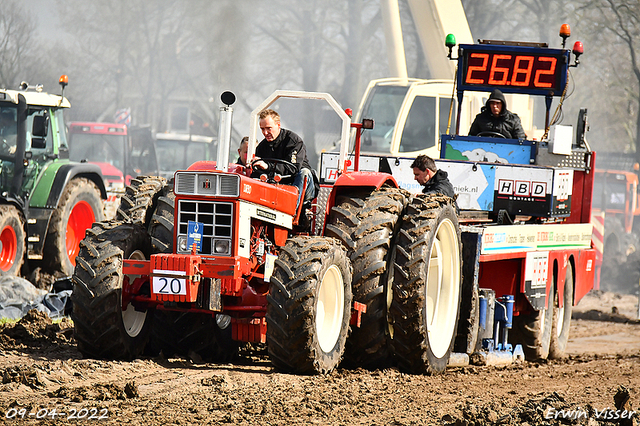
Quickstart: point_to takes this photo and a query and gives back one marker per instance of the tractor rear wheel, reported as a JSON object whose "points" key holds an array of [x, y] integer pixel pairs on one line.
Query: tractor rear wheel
{"points": [[12, 240], [533, 330], [366, 226], [562, 318], [309, 306], [79, 207], [139, 197], [427, 285], [103, 328]]}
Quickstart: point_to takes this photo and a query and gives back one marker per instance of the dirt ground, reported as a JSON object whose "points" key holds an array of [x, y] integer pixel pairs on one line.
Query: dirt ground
{"points": [[43, 375]]}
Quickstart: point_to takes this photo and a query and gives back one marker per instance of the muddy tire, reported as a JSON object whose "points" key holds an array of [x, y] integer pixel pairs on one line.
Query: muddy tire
{"points": [[102, 328], [366, 226], [309, 306], [427, 285], [533, 331], [12, 240], [79, 207], [136, 203], [162, 219], [562, 318]]}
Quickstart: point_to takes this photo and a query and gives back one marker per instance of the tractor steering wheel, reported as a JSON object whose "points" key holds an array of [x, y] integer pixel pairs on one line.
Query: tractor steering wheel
{"points": [[492, 134], [256, 173]]}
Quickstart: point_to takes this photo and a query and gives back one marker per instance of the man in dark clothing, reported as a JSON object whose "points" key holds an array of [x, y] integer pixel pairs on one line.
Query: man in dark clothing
{"points": [[283, 144], [242, 151], [495, 118], [427, 174]]}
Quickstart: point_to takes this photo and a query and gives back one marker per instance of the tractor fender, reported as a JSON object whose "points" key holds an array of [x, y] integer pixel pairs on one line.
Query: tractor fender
{"points": [[350, 181], [373, 180], [51, 187]]}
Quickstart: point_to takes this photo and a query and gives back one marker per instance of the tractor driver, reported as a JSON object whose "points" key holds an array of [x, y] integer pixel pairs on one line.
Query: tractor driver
{"points": [[283, 144], [495, 120], [8, 131]]}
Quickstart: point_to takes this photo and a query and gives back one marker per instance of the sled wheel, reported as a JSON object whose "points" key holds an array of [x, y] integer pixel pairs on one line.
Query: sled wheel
{"points": [[79, 207], [103, 329], [533, 330], [309, 306], [12, 240], [427, 285], [366, 226], [562, 318]]}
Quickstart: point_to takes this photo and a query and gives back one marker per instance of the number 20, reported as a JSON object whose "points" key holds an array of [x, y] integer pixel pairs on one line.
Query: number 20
{"points": [[171, 289]]}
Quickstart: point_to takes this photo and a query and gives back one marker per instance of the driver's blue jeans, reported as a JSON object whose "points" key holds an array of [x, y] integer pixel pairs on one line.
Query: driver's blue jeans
{"points": [[298, 182]]}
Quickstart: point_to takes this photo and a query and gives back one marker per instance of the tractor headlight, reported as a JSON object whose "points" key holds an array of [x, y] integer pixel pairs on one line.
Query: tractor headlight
{"points": [[182, 243], [221, 246]]}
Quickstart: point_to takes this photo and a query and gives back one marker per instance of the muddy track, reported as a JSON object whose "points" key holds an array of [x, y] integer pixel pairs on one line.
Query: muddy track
{"points": [[42, 370]]}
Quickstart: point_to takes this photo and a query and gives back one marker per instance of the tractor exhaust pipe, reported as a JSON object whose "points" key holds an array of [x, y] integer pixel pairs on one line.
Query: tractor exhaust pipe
{"points": [[224, 131]]}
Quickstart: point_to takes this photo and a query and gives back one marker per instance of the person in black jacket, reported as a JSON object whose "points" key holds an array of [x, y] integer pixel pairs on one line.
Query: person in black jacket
{"points": [[242, 151], [495, 118], [283, 144], [427, 174]]}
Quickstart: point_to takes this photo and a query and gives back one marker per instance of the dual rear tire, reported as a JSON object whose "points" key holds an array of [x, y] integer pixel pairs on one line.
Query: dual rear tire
{"points": [[427, 285]]}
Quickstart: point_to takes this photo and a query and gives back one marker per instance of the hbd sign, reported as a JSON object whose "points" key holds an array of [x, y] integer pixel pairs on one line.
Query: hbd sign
{"points": [[522, 188]]}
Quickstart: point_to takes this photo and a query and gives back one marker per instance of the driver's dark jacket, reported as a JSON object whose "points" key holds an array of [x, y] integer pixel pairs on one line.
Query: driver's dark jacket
{"points": [[507, 123], [287, 146], [439, 184]]}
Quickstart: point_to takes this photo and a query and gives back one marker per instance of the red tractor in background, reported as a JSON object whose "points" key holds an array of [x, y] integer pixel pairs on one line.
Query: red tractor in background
{"points": [[616, 205], [119, 156]]}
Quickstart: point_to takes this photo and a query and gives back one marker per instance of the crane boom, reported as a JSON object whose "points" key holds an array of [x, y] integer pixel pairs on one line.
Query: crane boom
{"points": [[435, 19]]}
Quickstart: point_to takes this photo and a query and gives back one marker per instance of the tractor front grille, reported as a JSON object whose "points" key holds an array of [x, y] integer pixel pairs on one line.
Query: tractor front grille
{"points": [[211, 184], [217, 229]]}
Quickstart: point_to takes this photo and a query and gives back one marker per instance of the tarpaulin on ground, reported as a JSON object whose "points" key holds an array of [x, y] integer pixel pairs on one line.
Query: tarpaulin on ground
{"points": [[18, 296]]}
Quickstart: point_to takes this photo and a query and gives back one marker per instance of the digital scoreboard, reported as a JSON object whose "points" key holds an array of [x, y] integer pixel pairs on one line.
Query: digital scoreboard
{"points": [[512, 69]]}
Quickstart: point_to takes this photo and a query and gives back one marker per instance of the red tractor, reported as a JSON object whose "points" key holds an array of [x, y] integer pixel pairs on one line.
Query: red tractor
{"points": [[213, 260]]}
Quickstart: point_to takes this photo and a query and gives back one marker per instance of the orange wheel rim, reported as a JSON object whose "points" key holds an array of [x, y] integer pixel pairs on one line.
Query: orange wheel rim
{"points": [[9, 242], [80, 219]]}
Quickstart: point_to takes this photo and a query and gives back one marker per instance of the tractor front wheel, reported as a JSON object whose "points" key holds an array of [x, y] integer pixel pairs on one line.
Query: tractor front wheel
{"points": [[12, 238], [309, 306], [103, 327]]}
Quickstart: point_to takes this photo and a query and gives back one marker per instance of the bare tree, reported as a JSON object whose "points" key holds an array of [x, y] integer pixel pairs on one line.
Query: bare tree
{"points": [[613, 27], [17, 44], [142, 53]]}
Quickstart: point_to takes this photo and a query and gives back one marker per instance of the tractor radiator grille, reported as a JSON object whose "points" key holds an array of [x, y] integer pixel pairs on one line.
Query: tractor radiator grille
{"points": [[211, 184], [217, 221]]}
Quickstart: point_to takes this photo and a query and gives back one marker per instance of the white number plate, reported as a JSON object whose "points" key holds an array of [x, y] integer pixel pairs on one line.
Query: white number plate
{"points": [[170, 285]]}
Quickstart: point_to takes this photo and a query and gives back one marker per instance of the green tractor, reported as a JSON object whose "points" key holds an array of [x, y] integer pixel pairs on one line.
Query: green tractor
{"points": [[46, 201]]}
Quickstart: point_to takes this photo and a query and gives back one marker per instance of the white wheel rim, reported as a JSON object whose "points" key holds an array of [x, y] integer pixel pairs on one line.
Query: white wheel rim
{"points": [[330, 308], [133, 320], [560, 322], [443, 288]]}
